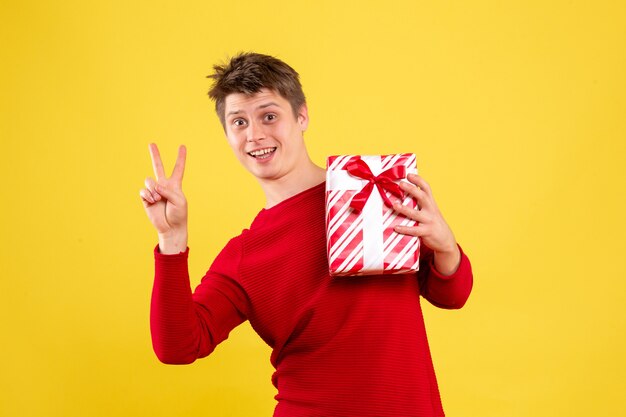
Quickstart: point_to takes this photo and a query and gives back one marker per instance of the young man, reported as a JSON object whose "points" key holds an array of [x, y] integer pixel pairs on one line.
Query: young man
{"points": [[349, 346]]}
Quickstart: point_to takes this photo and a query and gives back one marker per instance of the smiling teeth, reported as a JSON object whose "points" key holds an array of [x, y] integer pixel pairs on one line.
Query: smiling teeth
{"points": [[262, 152]]}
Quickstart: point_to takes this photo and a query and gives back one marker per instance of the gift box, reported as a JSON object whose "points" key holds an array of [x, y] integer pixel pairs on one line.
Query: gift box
{"points": [[360, 192]]}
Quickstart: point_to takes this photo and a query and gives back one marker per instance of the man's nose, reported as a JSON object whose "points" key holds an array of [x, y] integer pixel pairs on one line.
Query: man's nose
{"points": [[255, 132]]}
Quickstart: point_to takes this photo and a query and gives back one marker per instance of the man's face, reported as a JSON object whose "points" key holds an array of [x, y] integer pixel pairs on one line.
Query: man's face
{"points": [[264, 134]]}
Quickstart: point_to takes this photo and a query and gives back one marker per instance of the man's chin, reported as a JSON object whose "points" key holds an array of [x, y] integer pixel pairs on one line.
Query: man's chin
{"points": [[264, 174]]}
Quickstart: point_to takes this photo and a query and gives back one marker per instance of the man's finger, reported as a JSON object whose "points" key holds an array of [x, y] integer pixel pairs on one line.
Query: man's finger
{"points": [[179, 168], [151, 187], [416, 231], [157, 165], [146, 196], [420, 182], [422, 197], [409, 212]]}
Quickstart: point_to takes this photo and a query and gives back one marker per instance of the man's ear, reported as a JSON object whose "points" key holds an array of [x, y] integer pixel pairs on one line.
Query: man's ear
{"points": [[303, 117]]}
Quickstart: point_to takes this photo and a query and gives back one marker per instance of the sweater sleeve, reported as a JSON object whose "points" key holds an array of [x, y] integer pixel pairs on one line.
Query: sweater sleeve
{"points": [[186, 326], [445, 291]]}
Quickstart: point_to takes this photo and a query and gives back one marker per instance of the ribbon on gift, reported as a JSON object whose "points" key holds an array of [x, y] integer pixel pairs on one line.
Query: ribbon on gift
{"points": [[383, 181]]}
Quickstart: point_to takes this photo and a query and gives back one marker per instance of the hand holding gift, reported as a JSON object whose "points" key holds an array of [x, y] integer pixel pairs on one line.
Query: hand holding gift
{"points": [[431, 227]]}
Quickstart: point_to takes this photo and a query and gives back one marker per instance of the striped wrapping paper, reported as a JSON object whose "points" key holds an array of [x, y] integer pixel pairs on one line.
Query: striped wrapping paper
{"points": [[364, 243]]}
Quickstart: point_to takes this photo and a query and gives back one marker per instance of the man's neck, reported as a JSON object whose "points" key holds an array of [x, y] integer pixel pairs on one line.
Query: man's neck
{"points": [[279, 190]]}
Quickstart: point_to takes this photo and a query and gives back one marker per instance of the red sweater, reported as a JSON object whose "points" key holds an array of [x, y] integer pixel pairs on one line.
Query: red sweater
{"points": [[342, 346]]}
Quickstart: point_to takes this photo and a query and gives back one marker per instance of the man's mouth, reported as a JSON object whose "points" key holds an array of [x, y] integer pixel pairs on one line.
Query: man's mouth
{"points": [[262, 153]]}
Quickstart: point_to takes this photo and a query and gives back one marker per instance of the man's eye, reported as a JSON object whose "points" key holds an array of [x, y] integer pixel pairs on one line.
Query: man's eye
{"points": [[239, 122], [270, 117]]}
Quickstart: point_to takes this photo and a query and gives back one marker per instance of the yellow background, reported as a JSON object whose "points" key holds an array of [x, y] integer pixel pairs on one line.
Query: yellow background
{"points": [[516, 111]]}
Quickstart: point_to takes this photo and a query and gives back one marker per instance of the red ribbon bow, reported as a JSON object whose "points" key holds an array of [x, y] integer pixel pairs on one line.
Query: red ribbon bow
{"points": [[384, 181]]}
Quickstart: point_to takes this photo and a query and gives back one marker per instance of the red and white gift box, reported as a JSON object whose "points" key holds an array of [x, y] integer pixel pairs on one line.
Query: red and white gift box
{"points": [[360, 239]]}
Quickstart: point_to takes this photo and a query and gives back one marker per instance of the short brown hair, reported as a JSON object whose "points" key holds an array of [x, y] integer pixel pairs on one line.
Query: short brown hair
{"points": [[248, 73]]}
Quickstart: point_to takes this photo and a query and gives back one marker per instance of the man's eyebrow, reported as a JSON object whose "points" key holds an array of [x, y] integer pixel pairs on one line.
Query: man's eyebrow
{"points": [[271, 103], [262, 106]]}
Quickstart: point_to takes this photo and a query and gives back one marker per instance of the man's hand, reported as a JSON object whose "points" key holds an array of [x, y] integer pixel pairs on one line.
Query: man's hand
{"points": [[431, 227], [165, 203]]}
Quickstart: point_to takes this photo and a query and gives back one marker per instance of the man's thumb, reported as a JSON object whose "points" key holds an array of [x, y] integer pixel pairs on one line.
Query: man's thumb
{"points": [[164, 192]]}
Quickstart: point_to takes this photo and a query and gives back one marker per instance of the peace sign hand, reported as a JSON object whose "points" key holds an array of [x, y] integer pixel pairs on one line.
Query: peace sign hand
{"points": [[163, 199]]}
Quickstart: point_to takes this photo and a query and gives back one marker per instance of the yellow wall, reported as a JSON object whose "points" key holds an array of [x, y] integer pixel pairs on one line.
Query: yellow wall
{"points": [[517, 115]]}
